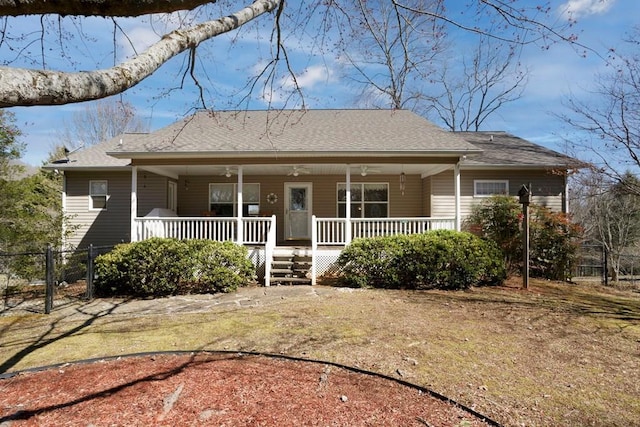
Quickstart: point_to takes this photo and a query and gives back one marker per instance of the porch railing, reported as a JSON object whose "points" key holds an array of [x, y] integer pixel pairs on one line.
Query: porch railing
{"points": [[333, 231], [254, 230]]}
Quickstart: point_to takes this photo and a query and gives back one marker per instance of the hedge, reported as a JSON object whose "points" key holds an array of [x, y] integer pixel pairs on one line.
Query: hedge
{"points": [[441, 259], [158, 267]]}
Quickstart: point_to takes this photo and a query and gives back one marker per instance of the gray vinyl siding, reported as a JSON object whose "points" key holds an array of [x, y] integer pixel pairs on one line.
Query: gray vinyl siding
{"points": [[152, 192], [548, 189], [98, 227], [112, 225]]}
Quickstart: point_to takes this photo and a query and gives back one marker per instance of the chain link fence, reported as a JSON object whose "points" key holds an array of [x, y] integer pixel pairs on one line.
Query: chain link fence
{"points": [[40, 281]]}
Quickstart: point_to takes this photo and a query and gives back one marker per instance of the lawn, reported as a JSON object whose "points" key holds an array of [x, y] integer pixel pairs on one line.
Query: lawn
{"points": [[555, 354]]}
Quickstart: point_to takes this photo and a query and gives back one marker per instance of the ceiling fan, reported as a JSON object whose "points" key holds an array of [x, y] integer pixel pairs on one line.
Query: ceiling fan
{"points": [[297, 170], [364, 170], [228, 172]]}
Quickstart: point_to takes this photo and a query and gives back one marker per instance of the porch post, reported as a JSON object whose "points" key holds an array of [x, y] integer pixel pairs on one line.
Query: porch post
{"points": [[240, 235], [134, 203], [456, 185], [347, 231], [64, 211]]}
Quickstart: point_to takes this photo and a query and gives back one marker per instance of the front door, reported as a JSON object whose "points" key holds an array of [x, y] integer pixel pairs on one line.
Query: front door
{"points": [[297, 214]]}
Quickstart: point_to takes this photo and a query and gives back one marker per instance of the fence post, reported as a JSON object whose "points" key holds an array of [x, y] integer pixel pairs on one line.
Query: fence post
{"points": [[49, 289], [605, 270], [90, 258]]}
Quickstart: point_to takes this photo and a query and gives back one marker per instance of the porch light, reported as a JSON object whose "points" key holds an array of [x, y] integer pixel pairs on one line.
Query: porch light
{"points": [[402, 180]]}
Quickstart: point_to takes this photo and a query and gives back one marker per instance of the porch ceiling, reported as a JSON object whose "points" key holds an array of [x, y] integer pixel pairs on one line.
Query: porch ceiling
{"points": [[369, 169]]}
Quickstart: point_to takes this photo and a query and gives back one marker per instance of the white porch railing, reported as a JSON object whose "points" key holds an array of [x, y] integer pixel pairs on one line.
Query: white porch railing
{"points": [[255, 230], [262, 231], [332, 231]]}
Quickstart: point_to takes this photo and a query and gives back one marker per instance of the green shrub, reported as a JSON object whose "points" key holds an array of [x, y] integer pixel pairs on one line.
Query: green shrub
{"points": [[157, 267], [553, 238], [499, 219], [367, 263], [554, 244], [443, 259]]}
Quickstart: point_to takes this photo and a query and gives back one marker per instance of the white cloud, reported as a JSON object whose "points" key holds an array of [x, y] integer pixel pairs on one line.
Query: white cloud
{"points": [[579, 8], [137, 40], [312, 76]]}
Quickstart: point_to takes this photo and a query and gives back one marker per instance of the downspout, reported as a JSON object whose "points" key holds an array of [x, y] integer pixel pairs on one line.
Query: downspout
{"points": [[240, 234], [134, 203], [456, 186]]}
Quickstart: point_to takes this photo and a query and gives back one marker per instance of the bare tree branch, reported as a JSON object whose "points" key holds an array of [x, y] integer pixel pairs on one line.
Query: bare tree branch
{"points": [[95, 7], [22, 87]]}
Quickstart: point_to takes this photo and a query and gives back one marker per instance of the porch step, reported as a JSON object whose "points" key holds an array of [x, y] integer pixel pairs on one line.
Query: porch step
{"points": [[291, 265]]}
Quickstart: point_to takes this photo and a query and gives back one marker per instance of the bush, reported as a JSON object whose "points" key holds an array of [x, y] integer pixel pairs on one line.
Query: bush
{"points": [[553, 238], [157, 267], [442, 259], [554, 244], [499, 219]]}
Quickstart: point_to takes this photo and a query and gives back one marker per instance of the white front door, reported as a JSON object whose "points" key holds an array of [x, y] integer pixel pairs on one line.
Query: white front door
{"points": [[297, 214]]}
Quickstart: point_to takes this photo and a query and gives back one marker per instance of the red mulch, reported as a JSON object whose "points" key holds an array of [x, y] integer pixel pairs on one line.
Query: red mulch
{"points": [[217, 389]]}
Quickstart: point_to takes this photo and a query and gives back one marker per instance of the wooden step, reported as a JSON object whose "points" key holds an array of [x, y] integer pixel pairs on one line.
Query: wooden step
{"points": [[282, 271], [291, 265], [290, 280]]}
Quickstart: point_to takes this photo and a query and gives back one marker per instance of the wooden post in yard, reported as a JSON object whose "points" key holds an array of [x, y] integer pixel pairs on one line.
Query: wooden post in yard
{"points": [[525, 198], [49, 282]]}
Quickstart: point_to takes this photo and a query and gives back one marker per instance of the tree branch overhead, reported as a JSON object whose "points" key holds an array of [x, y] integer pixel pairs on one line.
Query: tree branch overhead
{"points": [[96, 7], [26, 87]]}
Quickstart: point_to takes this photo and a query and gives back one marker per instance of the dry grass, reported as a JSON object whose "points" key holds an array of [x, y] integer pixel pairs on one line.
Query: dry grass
{"points": [[556, 354]]}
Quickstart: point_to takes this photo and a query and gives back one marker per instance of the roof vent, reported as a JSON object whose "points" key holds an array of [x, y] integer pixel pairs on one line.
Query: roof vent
{"points": [[491, 138]]}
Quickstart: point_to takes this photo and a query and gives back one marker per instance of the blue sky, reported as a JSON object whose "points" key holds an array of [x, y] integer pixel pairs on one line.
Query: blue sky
{"points": [[226, 63]]}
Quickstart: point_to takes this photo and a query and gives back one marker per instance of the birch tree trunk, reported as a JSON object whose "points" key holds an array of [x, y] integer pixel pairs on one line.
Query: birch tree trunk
{"points": [[25, 87], [95, 7]]}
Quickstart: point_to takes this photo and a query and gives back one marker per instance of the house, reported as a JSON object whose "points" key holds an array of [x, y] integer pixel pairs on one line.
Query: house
{"points": [[314, 178]]}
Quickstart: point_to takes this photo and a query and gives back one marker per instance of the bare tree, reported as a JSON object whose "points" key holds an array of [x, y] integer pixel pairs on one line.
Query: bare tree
{"points": [[610, 122], [64, 22], [99, 121], [609, 214], [390, 50], [491, 78]]}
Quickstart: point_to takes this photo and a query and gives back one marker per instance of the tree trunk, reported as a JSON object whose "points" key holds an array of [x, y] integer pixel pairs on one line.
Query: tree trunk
{"points": [[24, 87], [96, 7]]}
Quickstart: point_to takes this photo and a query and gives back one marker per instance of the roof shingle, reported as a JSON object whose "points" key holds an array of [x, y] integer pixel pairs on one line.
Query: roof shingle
{"points": [[321, 131]]}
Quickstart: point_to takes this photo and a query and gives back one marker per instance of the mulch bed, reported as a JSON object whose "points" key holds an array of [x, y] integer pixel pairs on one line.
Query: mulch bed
{"points": [[222, 389]]}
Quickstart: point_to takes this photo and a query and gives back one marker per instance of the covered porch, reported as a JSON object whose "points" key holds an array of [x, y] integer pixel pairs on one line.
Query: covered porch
{"points": [[276, 205]]}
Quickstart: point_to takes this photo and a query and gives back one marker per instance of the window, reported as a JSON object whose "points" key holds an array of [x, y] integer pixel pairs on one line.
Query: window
{"points": [[484, 188], [222, 199], [98, 194], [368, 200]]}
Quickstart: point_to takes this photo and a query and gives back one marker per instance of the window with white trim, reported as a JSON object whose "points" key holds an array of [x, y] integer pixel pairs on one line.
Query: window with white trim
{"points": [[486, 187], [223, 200], [98, 194], [368, 200]]}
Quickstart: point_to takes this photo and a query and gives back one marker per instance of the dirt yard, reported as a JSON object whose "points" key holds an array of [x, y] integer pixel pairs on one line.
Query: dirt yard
{"points": [[555, 354]]}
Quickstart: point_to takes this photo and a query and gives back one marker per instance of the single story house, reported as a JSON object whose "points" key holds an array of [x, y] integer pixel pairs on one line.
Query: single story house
{"points": [[302, 182]]}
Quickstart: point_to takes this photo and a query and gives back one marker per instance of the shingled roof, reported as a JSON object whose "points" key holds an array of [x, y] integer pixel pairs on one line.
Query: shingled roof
{"points": [[501, 149], [315, 132], [94, 157], [294, 131]]}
